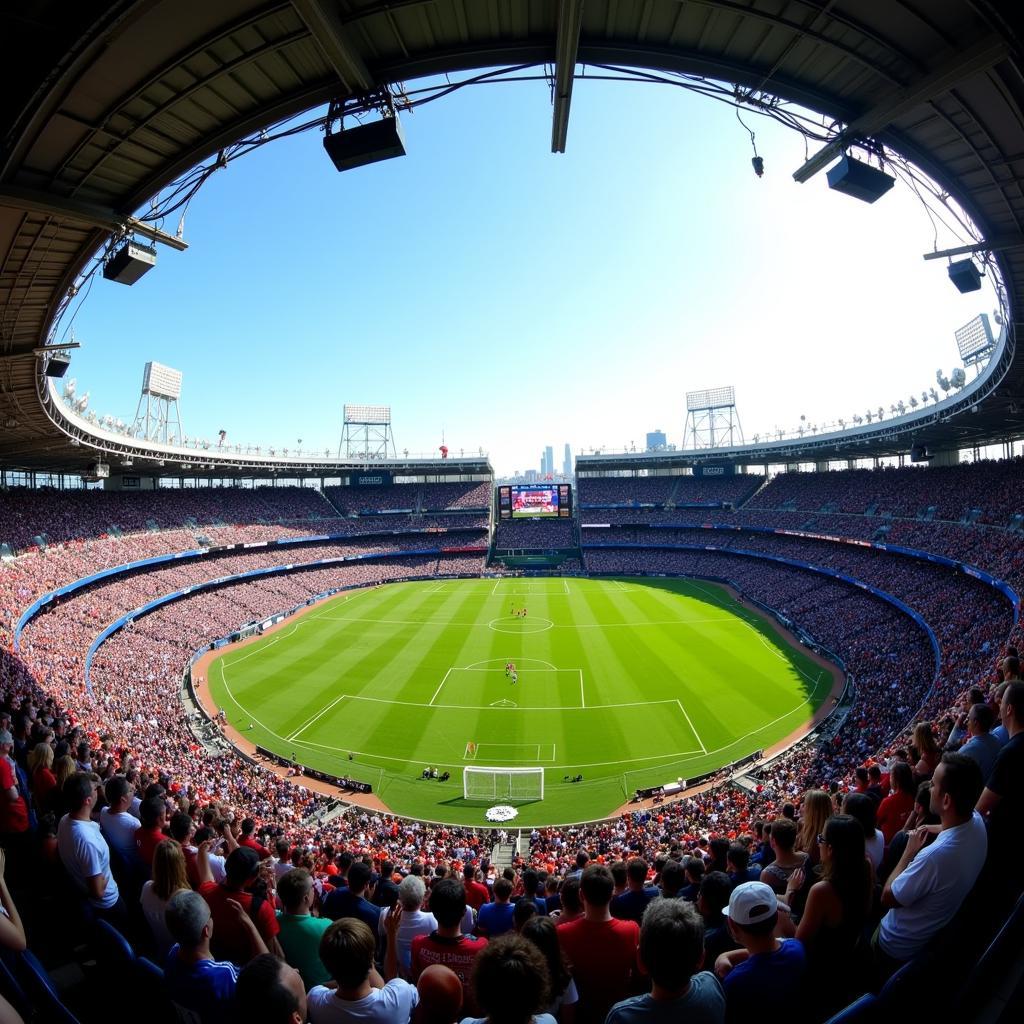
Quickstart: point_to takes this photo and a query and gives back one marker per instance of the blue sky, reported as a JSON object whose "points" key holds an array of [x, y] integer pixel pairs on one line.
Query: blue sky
{"points": [[510, 298]]}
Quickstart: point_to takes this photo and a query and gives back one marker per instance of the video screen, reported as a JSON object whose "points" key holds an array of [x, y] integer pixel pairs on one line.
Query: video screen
{"points": [[529, 502], [535, 501]]}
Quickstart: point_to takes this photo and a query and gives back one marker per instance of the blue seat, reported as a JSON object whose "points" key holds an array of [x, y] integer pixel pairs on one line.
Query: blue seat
{"points": [[993, 963], [42, 992], [11, 988], [149, 970], [111, 946], [860, 1011], [903, 990]]}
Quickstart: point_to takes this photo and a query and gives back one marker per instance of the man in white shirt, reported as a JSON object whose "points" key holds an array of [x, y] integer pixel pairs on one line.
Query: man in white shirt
{"points": [[362, 996], [411, 893], [928, 885], [117, 825], [83, 850]]}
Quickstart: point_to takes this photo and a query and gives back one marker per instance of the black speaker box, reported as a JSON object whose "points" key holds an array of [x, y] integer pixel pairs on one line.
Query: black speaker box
{"points": [[365, 144]]}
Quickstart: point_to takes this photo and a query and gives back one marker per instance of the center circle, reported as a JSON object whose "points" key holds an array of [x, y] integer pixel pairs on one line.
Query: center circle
{"points": [[531, 624]]}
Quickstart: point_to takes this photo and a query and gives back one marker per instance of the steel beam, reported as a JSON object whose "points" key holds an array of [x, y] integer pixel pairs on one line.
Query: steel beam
{"points": [[977, 58], [325, 24], [567, 45], [78, 212], [997, 244]]}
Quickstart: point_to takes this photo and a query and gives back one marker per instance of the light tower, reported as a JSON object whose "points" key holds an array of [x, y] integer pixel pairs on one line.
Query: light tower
{"points": [[712, 420], [157, 417], [366, 432]]}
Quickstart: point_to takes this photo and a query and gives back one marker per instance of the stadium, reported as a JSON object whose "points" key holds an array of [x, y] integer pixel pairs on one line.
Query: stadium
{"points": [[288, 731]]}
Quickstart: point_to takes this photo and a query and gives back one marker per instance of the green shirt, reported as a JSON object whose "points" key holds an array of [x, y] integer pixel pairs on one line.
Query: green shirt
{"points": [[300, 939]]}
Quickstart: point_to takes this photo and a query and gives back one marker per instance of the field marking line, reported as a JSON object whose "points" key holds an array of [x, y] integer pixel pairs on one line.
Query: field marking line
{"points": [[320, 714], [500, 705], [653, 622], [245, 711], [583, 699], [436, 692], [692, 726], [565, 583], [494, 589], [348, 595], [259, 649], [467, 756], [669, 759], [494, 661]]}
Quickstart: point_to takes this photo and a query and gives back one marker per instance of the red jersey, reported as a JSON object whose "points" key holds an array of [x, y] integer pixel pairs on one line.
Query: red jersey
{"points": [[146, 842], [13, 815], [263, 852], [603, 959], [476, 894], [229, 941], [456, 954]]}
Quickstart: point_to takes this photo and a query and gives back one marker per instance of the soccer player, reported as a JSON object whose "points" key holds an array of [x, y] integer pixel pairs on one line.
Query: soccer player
{"points": [[508, 668], [515, 677]]}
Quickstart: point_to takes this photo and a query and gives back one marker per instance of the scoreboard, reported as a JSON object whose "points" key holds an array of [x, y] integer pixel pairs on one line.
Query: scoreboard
{"points": [[535, 501]]}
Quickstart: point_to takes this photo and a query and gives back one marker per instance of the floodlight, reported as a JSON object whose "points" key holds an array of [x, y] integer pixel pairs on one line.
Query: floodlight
{"points": [[860, 180], [965, 275]]}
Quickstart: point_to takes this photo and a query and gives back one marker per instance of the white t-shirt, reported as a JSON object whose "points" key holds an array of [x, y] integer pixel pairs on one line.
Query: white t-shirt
{"points": [[413, 923], [119, 830], [875, 848], [84, 853], [153, 909], [392, 1004], [568, 997], [932, 888]]}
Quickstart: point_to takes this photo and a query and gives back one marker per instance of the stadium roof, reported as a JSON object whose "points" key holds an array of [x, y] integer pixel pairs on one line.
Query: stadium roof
{"points": [[115, 98]]}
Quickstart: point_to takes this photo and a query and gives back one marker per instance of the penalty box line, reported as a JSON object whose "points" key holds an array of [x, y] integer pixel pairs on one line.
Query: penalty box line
{"points": [[579, 671]]}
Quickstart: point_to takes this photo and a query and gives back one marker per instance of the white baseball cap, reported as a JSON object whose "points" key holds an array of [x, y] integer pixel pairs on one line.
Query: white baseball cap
{"points": [[751, 903]]}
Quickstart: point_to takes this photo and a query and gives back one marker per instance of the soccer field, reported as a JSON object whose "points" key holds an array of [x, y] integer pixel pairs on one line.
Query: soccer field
{"points": [[629, 683]]}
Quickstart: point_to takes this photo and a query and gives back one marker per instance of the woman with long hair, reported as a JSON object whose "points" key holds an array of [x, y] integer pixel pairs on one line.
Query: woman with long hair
{"points": [[927, 749], [542, 933], [836, 912], [815, 810], [41, 779], [862, 807], [169, 876]]}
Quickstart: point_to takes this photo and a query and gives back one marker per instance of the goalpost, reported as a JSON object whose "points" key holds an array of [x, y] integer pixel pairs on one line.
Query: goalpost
{"points": [[503, 783]]}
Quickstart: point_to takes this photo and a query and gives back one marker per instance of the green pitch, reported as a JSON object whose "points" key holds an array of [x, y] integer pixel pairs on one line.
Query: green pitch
{"points": [[631, 683]]}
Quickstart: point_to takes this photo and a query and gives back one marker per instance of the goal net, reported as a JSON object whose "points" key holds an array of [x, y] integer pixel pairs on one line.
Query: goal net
{"points": [[503, 783]]}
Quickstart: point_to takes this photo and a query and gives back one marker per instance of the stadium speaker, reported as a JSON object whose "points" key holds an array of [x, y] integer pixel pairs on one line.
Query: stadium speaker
{"points": [[57, 365], [860, 180], [918, 453], [965, 275], [128, 263], [366, 143]]}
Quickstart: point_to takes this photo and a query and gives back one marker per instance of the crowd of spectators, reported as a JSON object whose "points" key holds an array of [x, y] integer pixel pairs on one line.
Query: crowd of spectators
{"points": [[907, 491], [661, 490], [534, 533], [71, 515], [207, 819]]}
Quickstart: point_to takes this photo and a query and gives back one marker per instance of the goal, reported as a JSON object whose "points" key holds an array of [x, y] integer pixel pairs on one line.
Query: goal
{"points": [[503, 783]]}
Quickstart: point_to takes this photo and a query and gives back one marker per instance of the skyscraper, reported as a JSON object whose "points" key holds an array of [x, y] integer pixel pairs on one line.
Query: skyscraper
{"points": [[567, 462], [549, 461]]}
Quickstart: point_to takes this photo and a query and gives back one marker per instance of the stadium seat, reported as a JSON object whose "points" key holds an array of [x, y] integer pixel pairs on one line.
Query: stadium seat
{"points": [[42, 993], [112, 947], [12, 990], [860, 1011], [991, 968]]}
